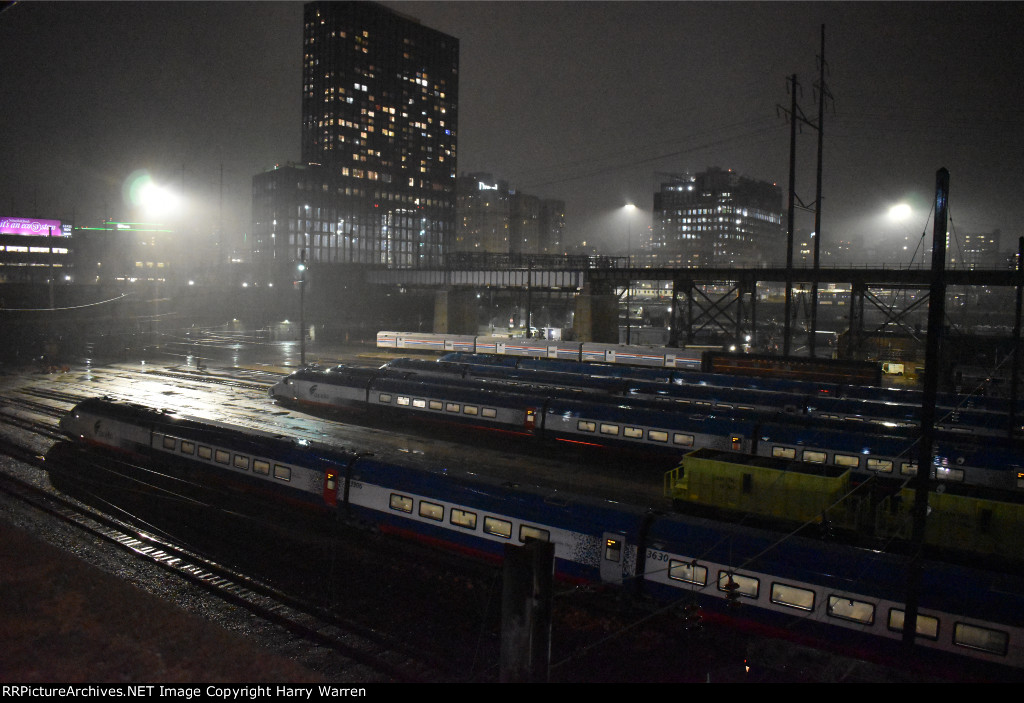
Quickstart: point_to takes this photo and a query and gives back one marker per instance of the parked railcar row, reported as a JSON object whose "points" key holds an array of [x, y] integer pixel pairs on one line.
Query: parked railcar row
{"points": [[718, 397], [834, 592], [791, 367], [949, 402], [592, 418]]}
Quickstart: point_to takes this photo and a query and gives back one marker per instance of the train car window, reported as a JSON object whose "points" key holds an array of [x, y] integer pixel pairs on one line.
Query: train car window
{"points": [[609, 429], [927, 626], [681, 401], [170, 443], [814, 457], [682, 440], [222, 456], [384, 398], [908, 468], [463, 518], [499, 528], [586, 426], [402, 503], [613, 550], [745, 407], [205, 453], [633, 432], [783, 452], [792, 597], [470, 410], [1020, 479], [846, 460], [746, 586], [489, 412], [526, 532], [419, 403], [453, 407], [282, 472], [436, 405], [703, 403], [241, 462], [853, 610], [432, 511], [188, 447], [657, 436], [688, 572], [983, 638], [945, 473], [724, 406], [402, 400], [880, 465], [261, 467]]}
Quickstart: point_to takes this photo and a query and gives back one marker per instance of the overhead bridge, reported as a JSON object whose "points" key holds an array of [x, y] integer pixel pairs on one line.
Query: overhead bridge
{"points": [[722, 300]]}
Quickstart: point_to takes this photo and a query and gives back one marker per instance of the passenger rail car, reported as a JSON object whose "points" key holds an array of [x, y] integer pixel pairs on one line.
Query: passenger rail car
{"points": [[796, 586], [815, 389], [720, 398], [652, 427], [541, 349]]}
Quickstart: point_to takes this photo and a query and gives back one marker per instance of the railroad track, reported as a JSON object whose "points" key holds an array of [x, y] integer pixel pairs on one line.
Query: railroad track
{"points": [[305, 618]]}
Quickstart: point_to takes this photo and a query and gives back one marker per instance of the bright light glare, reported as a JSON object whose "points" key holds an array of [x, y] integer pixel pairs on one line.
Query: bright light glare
{"points": [[899, 212], [141, 191]]}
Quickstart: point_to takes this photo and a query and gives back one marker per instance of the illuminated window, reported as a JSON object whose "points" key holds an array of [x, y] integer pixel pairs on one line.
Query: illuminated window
{"points": [[241, 462], [783, 453], [497, 527], [792, 597], [222, 456], [586, 426], [400, 502], [187, 447], [170, 443], [850, 609], [983, 638], [880, 465], [282, 472], [205, 452], [927, 626], [688, 572], [261, 467], [432, 511], [745, 586], [463, 518]]}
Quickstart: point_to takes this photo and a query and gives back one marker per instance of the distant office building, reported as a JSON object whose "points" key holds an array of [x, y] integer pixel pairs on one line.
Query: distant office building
{"points": [[974, 251], [494, 219], [376, 182], [482, 214], [551, 227], [125, 252], [33, 251], [716, 218]]}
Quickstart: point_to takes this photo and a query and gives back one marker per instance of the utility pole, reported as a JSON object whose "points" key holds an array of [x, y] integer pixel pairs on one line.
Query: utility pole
{"points": [[823, 94], [795, 114]]}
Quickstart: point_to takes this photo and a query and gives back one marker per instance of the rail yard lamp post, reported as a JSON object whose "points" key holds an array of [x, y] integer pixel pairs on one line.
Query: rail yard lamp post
{"points": [[302, 309]]}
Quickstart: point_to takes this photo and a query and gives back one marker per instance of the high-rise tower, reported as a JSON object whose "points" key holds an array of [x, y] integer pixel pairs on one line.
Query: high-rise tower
{"points": [[376, 182]]}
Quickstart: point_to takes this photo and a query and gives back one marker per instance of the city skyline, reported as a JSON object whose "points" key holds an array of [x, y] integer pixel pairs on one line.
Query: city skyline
{"points": [[582, 102]]}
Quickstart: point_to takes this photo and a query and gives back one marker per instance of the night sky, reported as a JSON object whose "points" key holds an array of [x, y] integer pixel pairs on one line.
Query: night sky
{"points": [[585, 102]]}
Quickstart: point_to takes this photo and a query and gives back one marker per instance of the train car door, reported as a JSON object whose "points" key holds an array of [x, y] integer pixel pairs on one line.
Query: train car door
{"points": [[613, 551], [331, 487]]}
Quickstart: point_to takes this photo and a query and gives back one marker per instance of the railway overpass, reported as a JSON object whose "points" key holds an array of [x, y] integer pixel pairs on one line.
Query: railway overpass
{"points": [[725, 301]]}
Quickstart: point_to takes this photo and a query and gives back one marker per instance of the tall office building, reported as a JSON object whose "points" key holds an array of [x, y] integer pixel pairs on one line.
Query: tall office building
{"points": [[376, 181], [716, 218]]}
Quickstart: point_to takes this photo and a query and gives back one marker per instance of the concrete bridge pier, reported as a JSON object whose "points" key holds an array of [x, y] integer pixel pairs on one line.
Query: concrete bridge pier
{"points": [[597, 316]]}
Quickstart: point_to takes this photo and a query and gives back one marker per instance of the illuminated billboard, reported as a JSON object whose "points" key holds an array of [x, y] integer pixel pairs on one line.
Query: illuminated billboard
{"points": [[27, 225]]}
